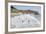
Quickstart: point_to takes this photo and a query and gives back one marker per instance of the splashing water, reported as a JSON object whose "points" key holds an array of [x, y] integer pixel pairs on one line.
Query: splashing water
{"points": [[25, 20]]}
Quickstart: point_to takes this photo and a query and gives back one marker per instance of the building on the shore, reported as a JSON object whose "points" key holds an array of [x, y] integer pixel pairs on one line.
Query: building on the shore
{"points": [[24, 11]]}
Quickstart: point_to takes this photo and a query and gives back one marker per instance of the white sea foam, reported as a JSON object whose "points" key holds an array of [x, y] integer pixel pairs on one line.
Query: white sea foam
{"points": [[25, 20]]}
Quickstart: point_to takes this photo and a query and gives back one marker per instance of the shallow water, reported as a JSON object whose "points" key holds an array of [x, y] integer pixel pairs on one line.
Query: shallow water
{"points": [[25, 21]]}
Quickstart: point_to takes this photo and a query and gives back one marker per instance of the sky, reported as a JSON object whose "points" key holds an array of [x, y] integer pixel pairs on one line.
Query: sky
{"points": [[34, 8]]}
